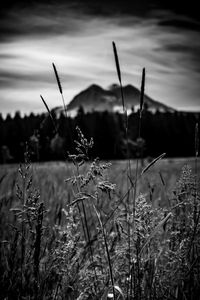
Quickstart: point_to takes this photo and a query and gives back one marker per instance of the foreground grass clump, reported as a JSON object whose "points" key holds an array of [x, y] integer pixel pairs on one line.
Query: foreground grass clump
{"points": [[89, 250]]}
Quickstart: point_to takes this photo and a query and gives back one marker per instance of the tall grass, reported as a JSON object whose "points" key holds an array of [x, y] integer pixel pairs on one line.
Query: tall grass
{"points": [[41, 256]]}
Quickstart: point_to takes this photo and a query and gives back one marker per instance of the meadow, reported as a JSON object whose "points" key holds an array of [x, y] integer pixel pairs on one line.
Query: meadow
{"points": [[49, 179], [62, 254], [90, 229]]}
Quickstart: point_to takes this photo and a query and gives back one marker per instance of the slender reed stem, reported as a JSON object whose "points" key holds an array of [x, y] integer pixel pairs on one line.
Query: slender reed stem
{"points": [[196, 168], [107, 250], [37, 248], [137, 160], [139, 133], [127, 156], [87, 232], [196, 215]]}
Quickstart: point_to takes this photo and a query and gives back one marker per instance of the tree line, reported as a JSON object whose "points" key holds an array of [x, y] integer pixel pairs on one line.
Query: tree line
{"points": [[173, 133]]}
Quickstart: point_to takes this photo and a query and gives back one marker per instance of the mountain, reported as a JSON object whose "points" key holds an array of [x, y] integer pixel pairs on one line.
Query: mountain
{"points": [[95, 98]]}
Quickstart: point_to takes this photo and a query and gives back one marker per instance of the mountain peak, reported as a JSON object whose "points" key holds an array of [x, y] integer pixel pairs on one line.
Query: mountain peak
{"points": [[94, 87]]}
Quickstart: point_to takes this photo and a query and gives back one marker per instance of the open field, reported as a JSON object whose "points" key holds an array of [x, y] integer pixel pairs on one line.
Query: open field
{"points": [[49, 178], [119, 237]]}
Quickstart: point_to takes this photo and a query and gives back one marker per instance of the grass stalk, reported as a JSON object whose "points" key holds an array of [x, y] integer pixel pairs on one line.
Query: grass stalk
{"points": [[165, 190], [118, 73], [37, 247], [196, 168], [196, 215], [50, 114], [107, 250], [86, 227], [139, 134], [127, 155], [152, 163], [60, 88], [137, 167]]}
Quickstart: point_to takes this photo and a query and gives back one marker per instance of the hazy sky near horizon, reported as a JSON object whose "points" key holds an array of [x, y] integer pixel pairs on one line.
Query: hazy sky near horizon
{"points": [[80, 44]]}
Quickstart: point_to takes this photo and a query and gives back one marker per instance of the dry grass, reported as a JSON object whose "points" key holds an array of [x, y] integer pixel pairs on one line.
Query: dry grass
{"points": [[56, 193]]}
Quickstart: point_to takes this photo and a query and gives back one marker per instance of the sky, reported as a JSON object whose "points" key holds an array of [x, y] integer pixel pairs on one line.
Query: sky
{"points": [[77, 36]]}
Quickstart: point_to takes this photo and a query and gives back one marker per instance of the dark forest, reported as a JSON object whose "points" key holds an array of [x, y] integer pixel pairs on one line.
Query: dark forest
{"points": [[172, 133]]}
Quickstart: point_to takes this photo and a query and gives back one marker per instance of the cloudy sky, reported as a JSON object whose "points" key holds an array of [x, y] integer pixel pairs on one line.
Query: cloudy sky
{"points": [[77, 37]]}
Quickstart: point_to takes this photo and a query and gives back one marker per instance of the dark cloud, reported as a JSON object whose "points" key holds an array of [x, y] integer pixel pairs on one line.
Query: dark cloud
{"points": [[184, 45], [186, 24], [46, 17], [14, 78], [103, 7], [39, 21], [11, 79], [7, 56], [111, 6]]}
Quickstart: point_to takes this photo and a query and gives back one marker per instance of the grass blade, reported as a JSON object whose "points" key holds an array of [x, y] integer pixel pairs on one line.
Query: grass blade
{"points": [[2, 177], [107, 251], [196, 140], [117, 61], [49, 112], [152, 163], [60, 88], [118, 73], [162, 179], [57, 78], [142, 91]]}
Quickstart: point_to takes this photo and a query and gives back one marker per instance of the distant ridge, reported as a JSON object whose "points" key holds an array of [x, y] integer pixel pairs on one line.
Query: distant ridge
{"points": [[95, 98]]}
